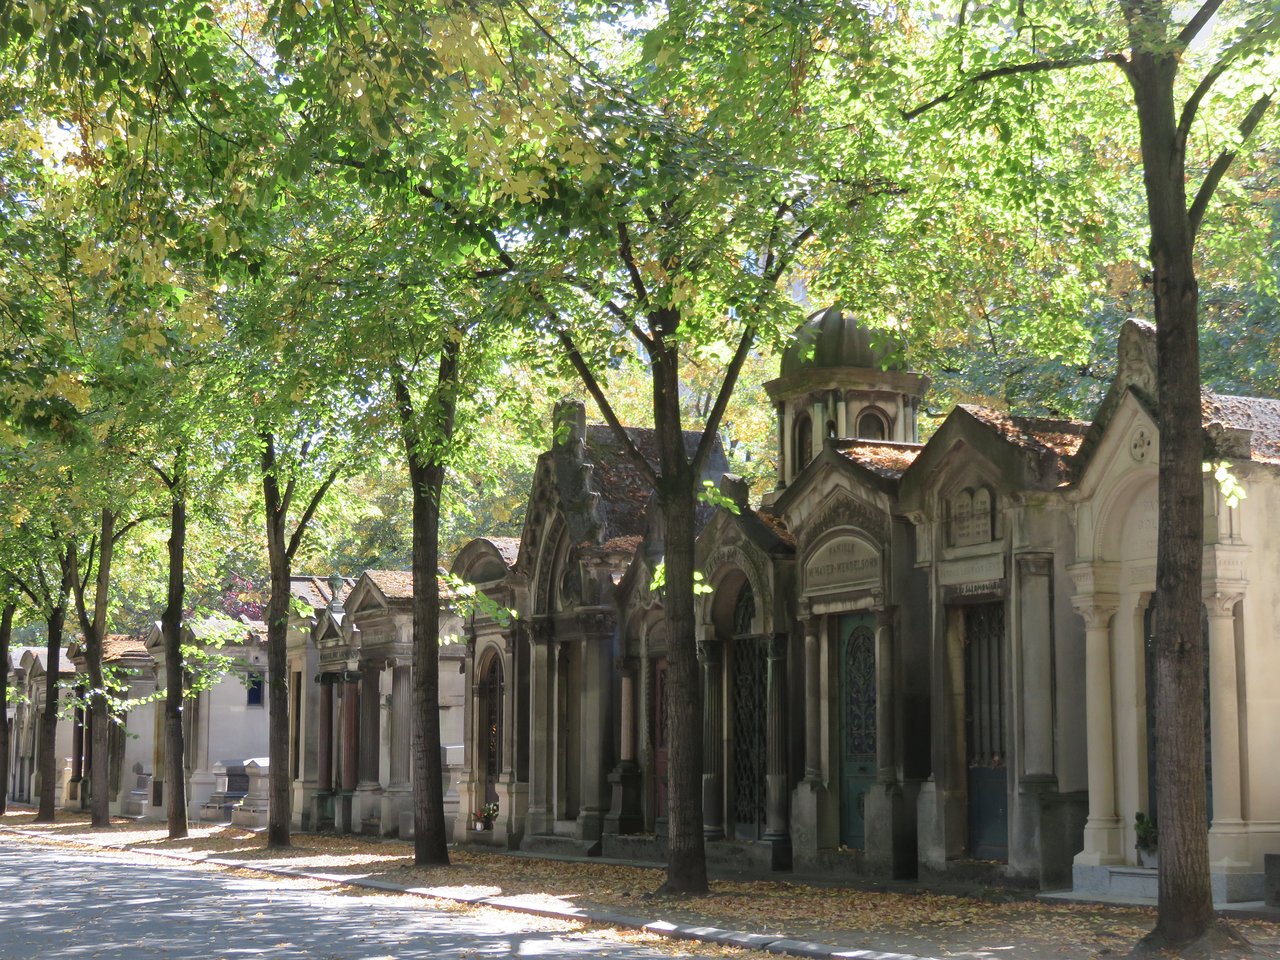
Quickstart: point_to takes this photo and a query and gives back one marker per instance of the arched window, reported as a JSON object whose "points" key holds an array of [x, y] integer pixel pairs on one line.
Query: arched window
{"points": [[803, 435], [871, 426]]}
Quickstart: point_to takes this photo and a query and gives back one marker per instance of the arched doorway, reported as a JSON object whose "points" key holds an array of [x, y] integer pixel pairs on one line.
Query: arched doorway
{"points": [[490, 728], [857, 724]]}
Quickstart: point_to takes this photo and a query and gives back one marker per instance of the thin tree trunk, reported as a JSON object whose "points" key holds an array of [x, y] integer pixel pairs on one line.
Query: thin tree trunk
{"points": [[1185, 905], [6, 633], [426, 476], [686, 860], [93, 627], [171, 628], [49, 716], [278, 812], [686, 846]]}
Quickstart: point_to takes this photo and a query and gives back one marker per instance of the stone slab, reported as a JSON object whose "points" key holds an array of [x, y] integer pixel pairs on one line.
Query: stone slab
{"points": [[1271, 879]]}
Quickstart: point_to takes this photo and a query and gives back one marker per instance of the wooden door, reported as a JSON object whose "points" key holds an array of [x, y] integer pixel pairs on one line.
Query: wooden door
{"points": [[857, 639]]}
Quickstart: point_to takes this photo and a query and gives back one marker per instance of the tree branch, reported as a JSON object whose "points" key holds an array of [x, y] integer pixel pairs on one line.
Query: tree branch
{"points": [[593, 387], [307, 514], [1011, 70], [164, 477], [730, 380], [627, 256], [1216, 172], [1196, 23]]}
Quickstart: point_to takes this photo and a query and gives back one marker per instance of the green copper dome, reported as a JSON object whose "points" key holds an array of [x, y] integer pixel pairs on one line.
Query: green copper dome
{"points": [[837, 340]]}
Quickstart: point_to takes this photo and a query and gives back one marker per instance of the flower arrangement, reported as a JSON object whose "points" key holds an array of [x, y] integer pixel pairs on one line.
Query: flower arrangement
{"points": [[485, 816]]}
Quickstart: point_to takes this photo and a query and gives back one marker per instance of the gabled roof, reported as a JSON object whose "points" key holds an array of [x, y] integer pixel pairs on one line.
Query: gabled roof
{"points": [[39, 657], [315, 590], [1043, 436], [880, 457], [393, 584], [238, 630], [118, 647]]}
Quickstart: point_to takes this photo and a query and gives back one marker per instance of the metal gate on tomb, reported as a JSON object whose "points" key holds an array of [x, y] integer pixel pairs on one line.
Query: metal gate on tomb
{"points": [[750, 720], [857, 724], [491, 691], [984, 714]]}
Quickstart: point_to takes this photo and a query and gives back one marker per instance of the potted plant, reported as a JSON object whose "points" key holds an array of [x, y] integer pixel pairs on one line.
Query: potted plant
{"points": [[1148, 839], [484, 817]]}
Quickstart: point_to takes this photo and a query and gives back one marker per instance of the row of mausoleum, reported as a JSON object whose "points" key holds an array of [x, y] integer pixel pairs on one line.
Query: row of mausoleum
{"points": [[916, 658]]}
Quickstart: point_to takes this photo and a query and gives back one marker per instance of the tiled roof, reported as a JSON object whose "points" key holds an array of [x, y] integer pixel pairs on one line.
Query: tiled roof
{"points": [[1256, 414], [623, 489], [230, 630], [122, 646], [886, 459], [315, 590], [628, 544], [394, 584], [777, 526], [41, 656], [508, 548], [1061, 438]]}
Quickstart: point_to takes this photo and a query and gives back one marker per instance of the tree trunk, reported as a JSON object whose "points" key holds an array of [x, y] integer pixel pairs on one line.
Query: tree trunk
{"points": [[93, 626], [686, 859], [278, 813], [6, 632], [171, 628], [99, 728], [677, 498], [426, 477], [49, 716], [1185, 906]]}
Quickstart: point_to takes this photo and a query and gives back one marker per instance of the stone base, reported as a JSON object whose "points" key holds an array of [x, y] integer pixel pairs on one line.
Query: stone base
{"points": [[252, 815], [1140, 883], [556, 844], [647, 847], [1271, 879], [625, 813]]}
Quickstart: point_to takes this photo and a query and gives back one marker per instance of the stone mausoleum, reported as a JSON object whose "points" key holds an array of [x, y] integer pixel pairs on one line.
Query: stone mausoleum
{"points": [[917, 658]]}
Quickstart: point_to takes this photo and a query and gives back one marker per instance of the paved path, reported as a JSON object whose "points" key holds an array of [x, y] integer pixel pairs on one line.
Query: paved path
{"points": [[66, 904]]}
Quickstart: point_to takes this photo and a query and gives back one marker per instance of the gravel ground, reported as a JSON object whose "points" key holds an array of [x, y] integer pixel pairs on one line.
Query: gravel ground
{"points": [[926, 924]]}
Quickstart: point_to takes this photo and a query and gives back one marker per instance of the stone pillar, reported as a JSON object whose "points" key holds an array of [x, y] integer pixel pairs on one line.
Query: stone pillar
{"points": [[625, 812], [886, 752], [396, 799], [1035, 633], [812, 701], [541, 669], [368, 802], [780, 417], [776, 831], [77, 748], [712, 736], [1103, 836], [324, 755], [1228, 841], [349, 776], [842, 415]]}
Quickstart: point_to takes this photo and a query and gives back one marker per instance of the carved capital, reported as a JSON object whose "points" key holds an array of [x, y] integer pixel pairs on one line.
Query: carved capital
{"points": [[1096, 610], [1220, 601]]}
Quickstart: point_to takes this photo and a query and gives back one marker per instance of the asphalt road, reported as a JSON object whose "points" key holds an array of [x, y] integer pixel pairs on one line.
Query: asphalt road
{"points": [[60, 904]]}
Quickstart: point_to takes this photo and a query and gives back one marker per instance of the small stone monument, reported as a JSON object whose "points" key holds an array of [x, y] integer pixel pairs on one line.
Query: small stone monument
{"points": [[251, 812], [230, 785]]}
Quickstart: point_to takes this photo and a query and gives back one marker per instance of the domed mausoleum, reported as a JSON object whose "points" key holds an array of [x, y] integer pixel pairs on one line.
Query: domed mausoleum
{"points": [[840, 379]]}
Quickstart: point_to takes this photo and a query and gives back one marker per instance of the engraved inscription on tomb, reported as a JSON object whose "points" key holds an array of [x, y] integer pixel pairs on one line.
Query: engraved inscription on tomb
{"points": [[842, 564]]}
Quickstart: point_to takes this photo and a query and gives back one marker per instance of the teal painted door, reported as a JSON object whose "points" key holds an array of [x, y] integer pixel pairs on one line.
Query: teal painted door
{"points": [[988, 781], [857, 724]]}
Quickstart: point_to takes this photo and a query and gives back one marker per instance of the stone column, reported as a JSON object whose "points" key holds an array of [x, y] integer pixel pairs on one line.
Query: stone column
{"points": [[780, 417], [625, 812], [776, 831], [1228, 842], [349, 776], [712, 736], [812, 701], [886, 742], [369, 723], [77, 748], [842, 414], [1035, 632], [323, 817], [540, 726], [1103, 837], [401, 723]]}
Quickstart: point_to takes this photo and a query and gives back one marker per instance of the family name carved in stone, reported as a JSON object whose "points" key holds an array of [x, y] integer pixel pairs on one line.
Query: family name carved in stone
{"points": [[842, 564], [976, 570]]}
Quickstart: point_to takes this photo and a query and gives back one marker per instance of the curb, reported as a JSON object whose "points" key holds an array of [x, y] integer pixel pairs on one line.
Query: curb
{"points": [[781, 945]]}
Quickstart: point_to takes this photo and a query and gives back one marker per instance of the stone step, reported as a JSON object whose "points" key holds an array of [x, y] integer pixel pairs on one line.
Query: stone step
{"points": [[560, 846]]}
